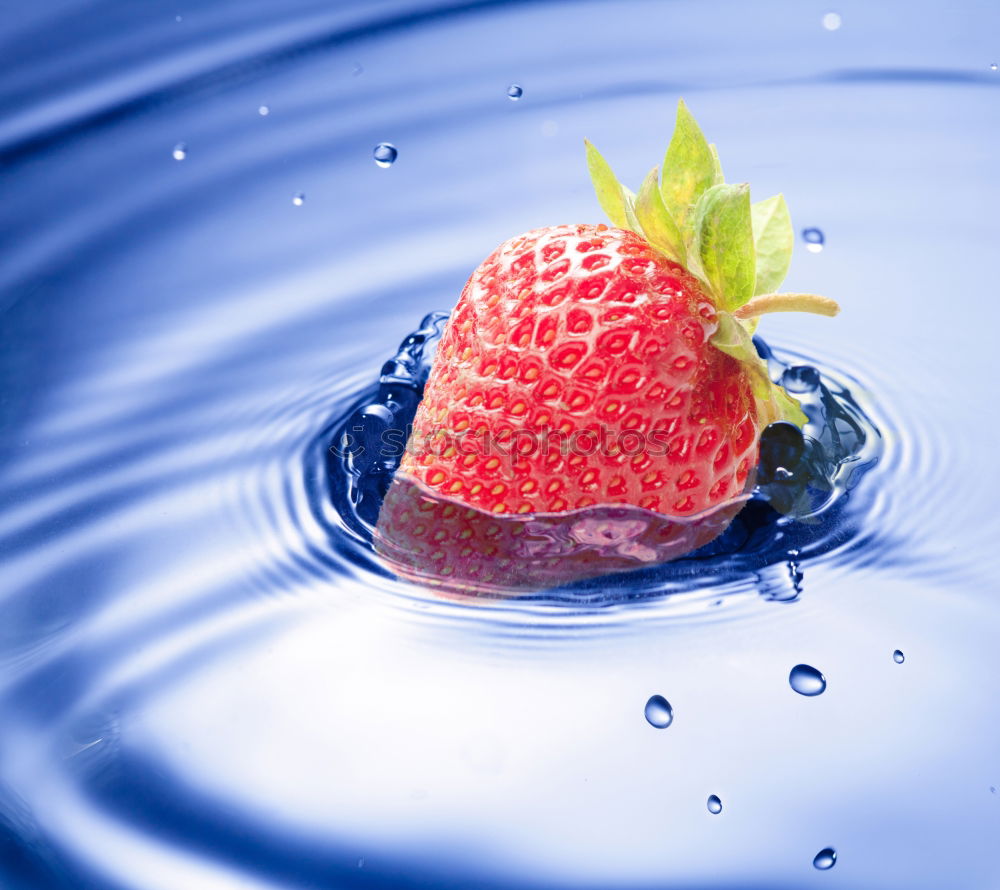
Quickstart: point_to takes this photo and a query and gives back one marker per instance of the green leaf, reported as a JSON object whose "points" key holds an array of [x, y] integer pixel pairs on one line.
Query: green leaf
{"points": [[788, 407], [631, 222], [719, 177], [725, 243], [657, 224], [688, 168], [733, 339], [609, 190], [774, 240]]}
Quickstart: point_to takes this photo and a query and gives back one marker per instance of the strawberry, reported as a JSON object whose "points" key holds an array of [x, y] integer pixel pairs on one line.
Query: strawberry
{"points": [[595, 368]]}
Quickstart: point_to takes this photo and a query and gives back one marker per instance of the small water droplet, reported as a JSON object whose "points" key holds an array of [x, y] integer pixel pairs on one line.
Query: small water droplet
{"points": [[806, 680], [993, 66], [831, 21], [514, 92], [299, 199], [714, 804], [898, 656], [178, 18], [264, 110], [180, 151], [658, 712], [361, 862], [825, 859], [357, 70], [814, 239], [993, 789], [385, 154]]}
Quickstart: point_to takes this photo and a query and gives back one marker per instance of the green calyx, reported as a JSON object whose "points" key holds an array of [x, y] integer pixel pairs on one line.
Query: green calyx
{"points": [[740, 251]]}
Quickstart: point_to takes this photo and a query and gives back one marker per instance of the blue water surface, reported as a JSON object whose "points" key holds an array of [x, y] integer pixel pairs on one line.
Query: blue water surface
{"points": [[208, 681]]}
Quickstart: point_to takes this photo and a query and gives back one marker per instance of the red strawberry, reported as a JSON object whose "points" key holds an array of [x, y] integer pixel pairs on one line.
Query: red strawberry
{"points": [[583, 336], [586, 366]]}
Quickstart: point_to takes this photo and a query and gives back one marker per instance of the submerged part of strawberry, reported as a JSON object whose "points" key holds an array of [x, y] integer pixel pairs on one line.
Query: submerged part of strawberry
{"points": [[441, 543], [576, 370]]}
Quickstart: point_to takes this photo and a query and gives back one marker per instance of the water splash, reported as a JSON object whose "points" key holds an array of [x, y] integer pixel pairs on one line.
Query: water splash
{"points": [[802, 476]]}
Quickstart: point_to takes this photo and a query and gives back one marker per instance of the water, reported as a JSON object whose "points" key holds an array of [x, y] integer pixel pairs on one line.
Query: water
{"points": [[806, 680], [714, 804], [385, 154], [658, 712], [208, 680], [814, 239], [825, 859], [898, 657]]}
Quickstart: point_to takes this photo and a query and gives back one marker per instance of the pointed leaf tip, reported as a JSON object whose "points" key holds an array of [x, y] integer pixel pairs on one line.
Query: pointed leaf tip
{"points": [[609, 191], [688, 167], [774, 241]]}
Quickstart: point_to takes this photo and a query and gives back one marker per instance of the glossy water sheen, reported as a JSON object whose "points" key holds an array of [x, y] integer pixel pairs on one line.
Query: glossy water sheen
{"points": [[208, 681]]}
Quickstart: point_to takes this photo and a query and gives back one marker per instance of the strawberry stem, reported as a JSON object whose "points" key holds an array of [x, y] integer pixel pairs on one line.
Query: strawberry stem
{"points": [[787, 303]]}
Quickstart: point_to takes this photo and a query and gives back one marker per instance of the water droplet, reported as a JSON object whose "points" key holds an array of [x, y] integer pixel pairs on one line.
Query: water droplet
{"points": [[898, 656], [781, 447], [993, 789], [806, 680], [714, 804], [993, 66], [814, 239], [825, 859], [263, 111], [831, 21], [658, 712], [800, 378], [514, 92], [180, 151], [385, 154], [357, 70], [299, 199], [178, 18], [361, 862]]}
